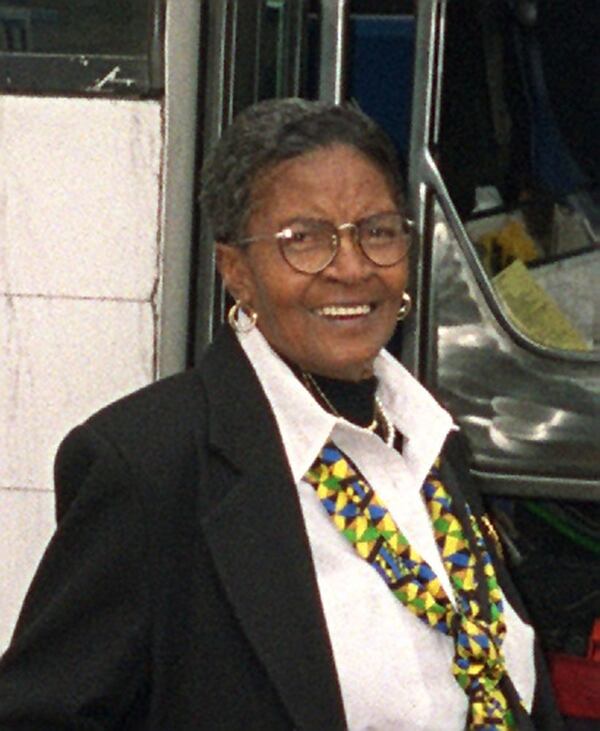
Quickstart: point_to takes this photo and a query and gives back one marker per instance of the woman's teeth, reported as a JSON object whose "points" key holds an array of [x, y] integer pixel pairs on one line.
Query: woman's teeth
{"points": [[344, 311]]}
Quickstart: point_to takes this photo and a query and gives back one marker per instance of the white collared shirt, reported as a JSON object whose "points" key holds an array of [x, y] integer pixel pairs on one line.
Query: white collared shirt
{"points": [[394, 671]]}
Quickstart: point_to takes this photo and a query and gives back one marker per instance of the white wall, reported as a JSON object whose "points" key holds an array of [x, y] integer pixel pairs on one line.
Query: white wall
{"points": [[81, 258]]}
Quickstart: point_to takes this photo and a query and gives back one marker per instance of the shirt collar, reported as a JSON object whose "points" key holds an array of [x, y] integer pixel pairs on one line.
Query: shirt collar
{"points": [[415, 413], [305, 426]]}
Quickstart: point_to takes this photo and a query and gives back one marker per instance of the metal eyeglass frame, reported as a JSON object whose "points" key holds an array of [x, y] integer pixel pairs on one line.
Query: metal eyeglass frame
{"points": [[282, 236]]}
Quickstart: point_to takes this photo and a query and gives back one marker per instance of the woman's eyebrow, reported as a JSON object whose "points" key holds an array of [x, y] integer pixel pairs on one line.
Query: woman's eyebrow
{"points": [[305, 219]]}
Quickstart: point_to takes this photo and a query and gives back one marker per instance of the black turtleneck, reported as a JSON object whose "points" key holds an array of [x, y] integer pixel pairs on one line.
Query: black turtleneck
{"points": [[354, 400]]}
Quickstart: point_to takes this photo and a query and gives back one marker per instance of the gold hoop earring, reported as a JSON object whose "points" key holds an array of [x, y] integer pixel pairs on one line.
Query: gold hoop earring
{"points": [[232, 319], [405, 307]]}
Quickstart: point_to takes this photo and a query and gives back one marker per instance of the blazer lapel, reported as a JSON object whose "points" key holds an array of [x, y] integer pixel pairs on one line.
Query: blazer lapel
{"points": [[256, 533]]}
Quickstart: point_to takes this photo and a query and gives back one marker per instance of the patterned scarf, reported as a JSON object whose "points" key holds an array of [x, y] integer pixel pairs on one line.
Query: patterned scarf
{"points": [[478, 631]]}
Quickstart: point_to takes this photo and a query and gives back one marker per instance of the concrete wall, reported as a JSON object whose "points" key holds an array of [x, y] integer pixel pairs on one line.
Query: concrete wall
{"points": [[96, 209], [80, 287]]}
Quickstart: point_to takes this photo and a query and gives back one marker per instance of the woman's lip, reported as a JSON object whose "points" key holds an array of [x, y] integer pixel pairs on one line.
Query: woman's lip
{"points": [[356, 310]]}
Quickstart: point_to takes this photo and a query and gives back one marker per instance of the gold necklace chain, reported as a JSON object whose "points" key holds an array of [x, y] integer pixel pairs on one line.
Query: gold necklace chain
{"points": [[388, 426]]}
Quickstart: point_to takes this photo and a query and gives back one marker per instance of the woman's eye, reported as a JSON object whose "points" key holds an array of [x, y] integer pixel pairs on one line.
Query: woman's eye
{"points": [[299, 236], [381, 232]]}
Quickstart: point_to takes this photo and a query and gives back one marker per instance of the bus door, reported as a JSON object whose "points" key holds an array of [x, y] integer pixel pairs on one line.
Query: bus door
{"points": [[504, 190]]}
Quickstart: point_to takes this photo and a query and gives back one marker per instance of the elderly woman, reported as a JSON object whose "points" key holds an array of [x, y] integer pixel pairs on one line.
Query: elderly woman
{"points": [[270, 541]]}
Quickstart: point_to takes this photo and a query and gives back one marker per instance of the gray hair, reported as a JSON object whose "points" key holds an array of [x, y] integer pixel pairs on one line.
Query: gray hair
{"points": [[275, 130]]}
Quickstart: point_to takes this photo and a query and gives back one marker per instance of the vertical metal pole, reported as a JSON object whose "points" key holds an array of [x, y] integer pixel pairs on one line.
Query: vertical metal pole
{"points": [[430, 14], [334, 41], [424, 114], [181, 79], [439, 72]]}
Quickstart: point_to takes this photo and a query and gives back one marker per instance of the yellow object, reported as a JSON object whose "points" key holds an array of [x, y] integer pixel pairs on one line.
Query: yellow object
{"points": [[534, 311], [512, 241]]}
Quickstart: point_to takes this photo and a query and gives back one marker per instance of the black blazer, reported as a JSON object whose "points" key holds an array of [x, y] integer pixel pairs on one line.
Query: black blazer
{"points": [[178, 591]]}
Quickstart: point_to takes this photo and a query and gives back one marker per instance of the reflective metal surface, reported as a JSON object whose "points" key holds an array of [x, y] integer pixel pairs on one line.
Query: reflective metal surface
{"points": [[531, 419], [334, 33], [182, 46]]}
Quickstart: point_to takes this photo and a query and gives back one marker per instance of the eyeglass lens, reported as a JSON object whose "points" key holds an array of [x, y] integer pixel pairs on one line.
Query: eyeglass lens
{"points": [[310, 245]]}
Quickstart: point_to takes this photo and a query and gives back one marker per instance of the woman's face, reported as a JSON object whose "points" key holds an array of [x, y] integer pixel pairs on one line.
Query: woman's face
{"points": [[335, 322]]}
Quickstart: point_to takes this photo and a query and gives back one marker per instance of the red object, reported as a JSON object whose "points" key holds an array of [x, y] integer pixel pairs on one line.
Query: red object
{"points": [[576, 680], [594, 647]]}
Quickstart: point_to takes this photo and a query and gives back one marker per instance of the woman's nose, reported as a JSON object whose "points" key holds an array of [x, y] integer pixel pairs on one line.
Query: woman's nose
{"points": [[349, 263]]}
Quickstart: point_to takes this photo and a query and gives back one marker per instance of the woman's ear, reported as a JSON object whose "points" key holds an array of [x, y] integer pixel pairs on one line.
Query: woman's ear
{"points": [[235, 273]]}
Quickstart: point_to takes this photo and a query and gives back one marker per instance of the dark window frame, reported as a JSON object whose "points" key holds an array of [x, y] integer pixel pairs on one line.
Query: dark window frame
{"points": [[94, 74]]}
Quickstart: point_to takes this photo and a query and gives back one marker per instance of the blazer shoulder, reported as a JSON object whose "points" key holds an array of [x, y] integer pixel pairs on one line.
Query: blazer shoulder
{"points": [[166, 404], [157, 432]]}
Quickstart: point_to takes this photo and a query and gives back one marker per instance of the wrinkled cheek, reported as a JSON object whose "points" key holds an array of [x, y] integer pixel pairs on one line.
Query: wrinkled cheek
{"points": [[285, 335]]}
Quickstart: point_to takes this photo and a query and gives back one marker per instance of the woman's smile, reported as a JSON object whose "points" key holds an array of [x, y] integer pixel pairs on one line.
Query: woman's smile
{"points": [[344, 312]]}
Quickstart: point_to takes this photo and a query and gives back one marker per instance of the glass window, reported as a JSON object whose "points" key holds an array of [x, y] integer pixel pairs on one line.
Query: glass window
{"points": [[94, 46]]}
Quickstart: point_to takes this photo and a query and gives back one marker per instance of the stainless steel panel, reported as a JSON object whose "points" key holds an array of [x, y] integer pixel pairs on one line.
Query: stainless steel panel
{"points": [[334, 34], [182, 41], [531, 415]]}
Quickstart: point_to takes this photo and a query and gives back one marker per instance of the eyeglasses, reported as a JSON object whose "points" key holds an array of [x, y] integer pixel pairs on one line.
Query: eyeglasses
{"points": [[310, 245]]}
